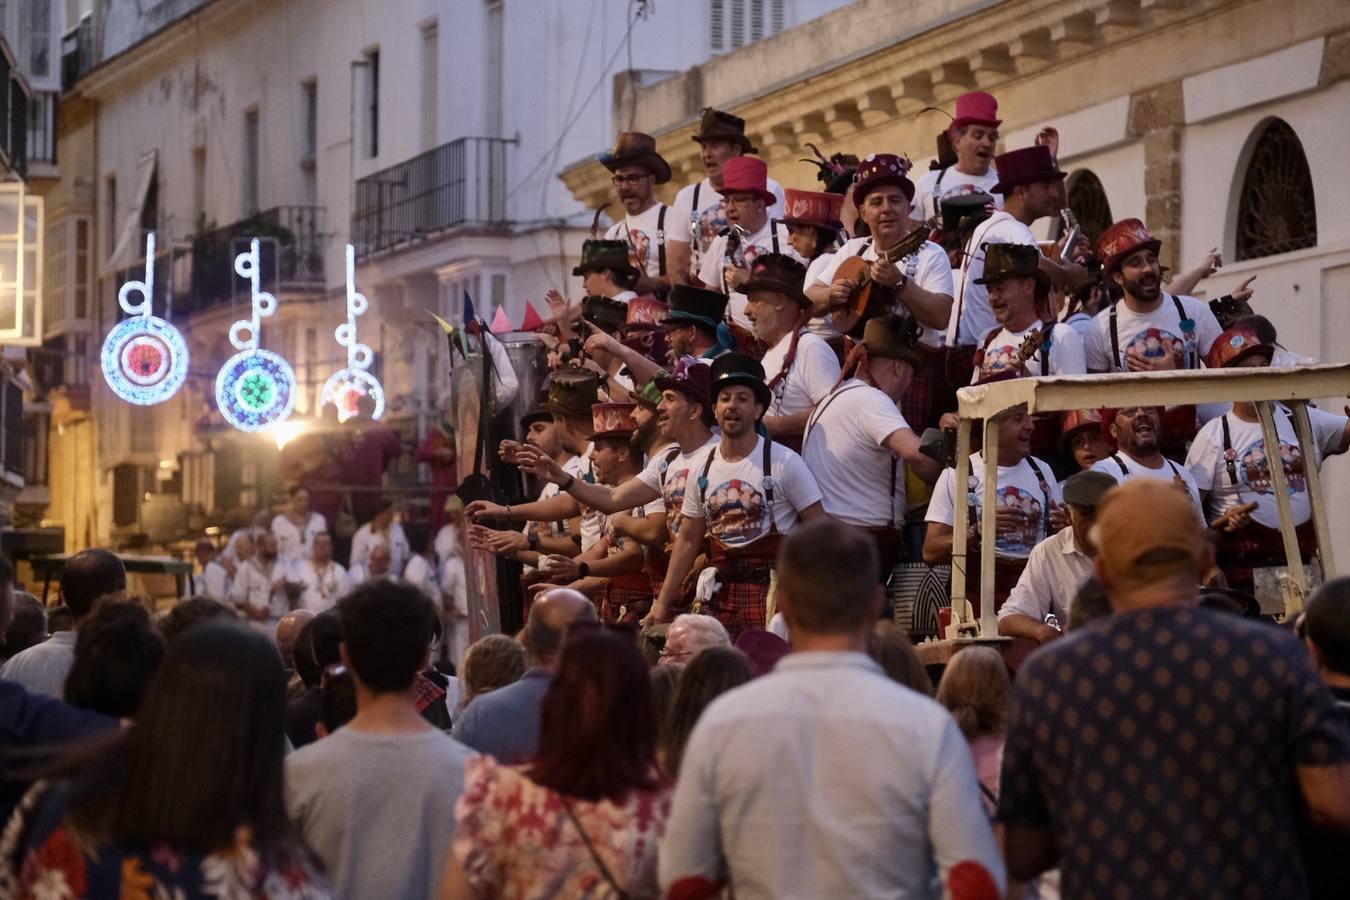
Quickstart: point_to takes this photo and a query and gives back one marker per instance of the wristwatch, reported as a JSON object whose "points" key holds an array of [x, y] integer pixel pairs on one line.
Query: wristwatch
{"points": [[584, 569]]}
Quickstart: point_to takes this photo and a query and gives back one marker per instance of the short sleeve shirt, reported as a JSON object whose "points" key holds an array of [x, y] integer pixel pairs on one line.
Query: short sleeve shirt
{"points": [[928, 267], [642, 234], [813, 374], [845, 449], [711, 271], [1170, 471], [733, 500], [1152, 334], [1018, 488], [954, 183], [671, 477], [1159, 747], [1207, 463], [711, 215], [1000, 353]]}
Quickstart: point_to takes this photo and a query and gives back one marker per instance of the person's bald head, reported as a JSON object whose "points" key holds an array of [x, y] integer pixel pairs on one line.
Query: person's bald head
{"points": [[288, 632], [89, 577], [551, 615]]}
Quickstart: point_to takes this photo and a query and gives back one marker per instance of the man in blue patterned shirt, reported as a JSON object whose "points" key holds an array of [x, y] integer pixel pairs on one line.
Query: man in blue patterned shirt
{"points": [[1159, 751]]}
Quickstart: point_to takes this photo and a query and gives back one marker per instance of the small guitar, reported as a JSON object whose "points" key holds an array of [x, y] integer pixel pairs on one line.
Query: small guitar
{"points": [[868, 299], [1030, 345]]}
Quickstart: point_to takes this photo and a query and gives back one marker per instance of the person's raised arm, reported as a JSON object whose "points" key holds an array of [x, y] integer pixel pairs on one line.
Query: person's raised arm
{"points": [[904, 443], [597, 496]]}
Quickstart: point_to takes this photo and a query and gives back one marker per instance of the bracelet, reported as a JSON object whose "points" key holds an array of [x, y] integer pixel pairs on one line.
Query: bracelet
{"points": [[584, 569], [507, 514], [571, 480]]}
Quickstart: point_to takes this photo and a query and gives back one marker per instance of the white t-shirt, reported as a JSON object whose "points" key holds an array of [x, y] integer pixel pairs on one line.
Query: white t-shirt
{"points": [[1151, 334], [592, 520], [711, 216], [1018, 487], [1169, 471], [670, 478], [928, 267], [814, 373], [641, 234], [213, 582], [733, 500], [954, 182], [820, 325], [1206, 463], [420, 572], [291, 541], [322, 589], [1066, 352], [972, 299], [711, 270], [366, 538], [845, 449]]}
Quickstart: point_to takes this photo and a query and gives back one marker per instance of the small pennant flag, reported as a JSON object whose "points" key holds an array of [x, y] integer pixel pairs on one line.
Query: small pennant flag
{"points": [[469, 314], [500, 324], [531, 320]]}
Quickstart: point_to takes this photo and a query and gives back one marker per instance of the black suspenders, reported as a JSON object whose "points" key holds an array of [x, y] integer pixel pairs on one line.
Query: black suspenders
{"points": [[1045, 489], [767, 483], [1115, 331], [815, 419], [661, 241]]}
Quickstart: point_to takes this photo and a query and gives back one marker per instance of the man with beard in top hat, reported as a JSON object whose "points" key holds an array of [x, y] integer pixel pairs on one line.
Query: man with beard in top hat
{"points": [[699, 210], [744, 494], [858, 444], [637, 168]]}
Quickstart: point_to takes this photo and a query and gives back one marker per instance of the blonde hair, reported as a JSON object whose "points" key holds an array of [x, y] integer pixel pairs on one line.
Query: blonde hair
{"points": [[976, 689]]}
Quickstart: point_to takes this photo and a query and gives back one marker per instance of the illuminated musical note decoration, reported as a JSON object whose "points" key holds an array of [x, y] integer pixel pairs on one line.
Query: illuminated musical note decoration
{"points": [[345, 387], [145, 359], [255, 388]]}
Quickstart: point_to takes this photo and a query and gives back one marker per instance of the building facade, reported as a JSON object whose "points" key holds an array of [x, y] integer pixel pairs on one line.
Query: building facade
{"points": [[1220, 123], [426, 133]]}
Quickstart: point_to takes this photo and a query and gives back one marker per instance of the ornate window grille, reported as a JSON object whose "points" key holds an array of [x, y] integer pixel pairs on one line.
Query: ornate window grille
{"points": [[1276, 213]]}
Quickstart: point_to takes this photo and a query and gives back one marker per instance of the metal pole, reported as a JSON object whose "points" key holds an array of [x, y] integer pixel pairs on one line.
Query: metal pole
{"points": [[961, 612], [989, 528], [1316, 499], [1297, 585]]}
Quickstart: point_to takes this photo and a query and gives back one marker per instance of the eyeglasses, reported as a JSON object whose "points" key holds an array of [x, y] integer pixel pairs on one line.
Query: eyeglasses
{"points": [[671, 657], [621, 180]]}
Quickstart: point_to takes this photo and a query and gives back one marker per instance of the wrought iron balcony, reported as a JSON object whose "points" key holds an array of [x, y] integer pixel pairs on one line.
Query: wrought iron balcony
{"points": [[14, 100], [459, 183], [77, 52], [291, 240], [42, 128]]}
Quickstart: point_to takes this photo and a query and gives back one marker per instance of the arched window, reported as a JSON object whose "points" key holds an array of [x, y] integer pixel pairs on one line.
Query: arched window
{"points": [[1087, 200], [1275, 213]]}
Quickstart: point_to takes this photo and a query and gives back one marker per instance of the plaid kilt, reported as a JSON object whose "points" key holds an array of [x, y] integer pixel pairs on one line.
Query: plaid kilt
{"points": [[624, 599], [742, 601]]}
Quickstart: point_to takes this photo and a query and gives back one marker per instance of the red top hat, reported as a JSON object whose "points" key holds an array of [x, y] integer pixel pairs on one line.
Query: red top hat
{"points": [[1122, 239], [747, 175], [812, 208], [880, 169], [976, 108], [1235, 345], [645, 312], [1024, 166], [613, 420]]}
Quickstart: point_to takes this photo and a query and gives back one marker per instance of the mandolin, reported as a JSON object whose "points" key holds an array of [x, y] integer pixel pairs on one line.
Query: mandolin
{"points": [[1018, 369], [868, 299]]}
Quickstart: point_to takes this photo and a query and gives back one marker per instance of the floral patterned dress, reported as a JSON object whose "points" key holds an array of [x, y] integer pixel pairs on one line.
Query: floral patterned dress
{"points": [[516, 842], [41, 859]]}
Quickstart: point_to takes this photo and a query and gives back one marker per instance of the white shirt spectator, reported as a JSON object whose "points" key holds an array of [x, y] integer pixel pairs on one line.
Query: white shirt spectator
{"points": [[1027, 486], [928, 267], [323, 586], [213, 582], [764, 799], [252, 587], [420, 572], [814, 373], [642, 234], [1122, 467], [734, 500], [1151, 335], [366, 537], [972, 300], [711, 216], [1000, 353], [1207, 465], [293, 542], [953, 183], [454, 602], [1056, 569], [712, 269], [845, 449]]}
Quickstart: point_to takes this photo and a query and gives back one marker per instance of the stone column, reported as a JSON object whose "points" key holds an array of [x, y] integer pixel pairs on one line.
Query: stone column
{"points": [[1158, 115]]}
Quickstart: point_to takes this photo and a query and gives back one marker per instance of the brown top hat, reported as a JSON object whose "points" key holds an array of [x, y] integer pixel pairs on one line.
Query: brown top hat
{"points": [[778, 272], [893, 337], [637, 149], [1122, 239], [879, 169], [816, 208], [716, 125], [610, 420], [571, 393], [1024, 166]]}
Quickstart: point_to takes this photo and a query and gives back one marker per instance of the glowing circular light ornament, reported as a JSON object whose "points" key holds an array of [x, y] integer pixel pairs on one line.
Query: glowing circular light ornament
{"points": [[256, 388], [145, 359], [345, 387]]}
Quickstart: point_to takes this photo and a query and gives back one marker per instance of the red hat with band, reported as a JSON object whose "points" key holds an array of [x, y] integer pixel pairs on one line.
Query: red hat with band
{"points": [[812, 208], [975, 108], [1025, 166], [1236, 344], [613, 420], [747, 175], [1122, 239]]}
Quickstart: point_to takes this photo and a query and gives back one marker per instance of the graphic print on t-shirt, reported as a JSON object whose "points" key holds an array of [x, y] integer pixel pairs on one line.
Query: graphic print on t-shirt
{"points": [[712, 221], [673, 492], [639, 246], [736, 513], [998, 359], [1156, 343], [1256, 469], [1015, 541]]}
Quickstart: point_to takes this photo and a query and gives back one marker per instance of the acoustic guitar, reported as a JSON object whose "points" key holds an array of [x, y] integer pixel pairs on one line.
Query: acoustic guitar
{"points": [[868, 299]]}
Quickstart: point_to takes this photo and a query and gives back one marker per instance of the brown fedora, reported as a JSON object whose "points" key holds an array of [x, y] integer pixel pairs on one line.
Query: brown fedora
{"points": [[716, 125], [637, 149]]}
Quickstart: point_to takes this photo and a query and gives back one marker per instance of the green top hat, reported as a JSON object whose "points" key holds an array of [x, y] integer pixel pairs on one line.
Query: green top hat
{"points": [[612, 255], [731, 369], [695, 306]]}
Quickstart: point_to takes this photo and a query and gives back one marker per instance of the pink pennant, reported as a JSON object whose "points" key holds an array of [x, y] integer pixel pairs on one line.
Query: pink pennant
{"points": [[500, 324], [532, 319]]}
